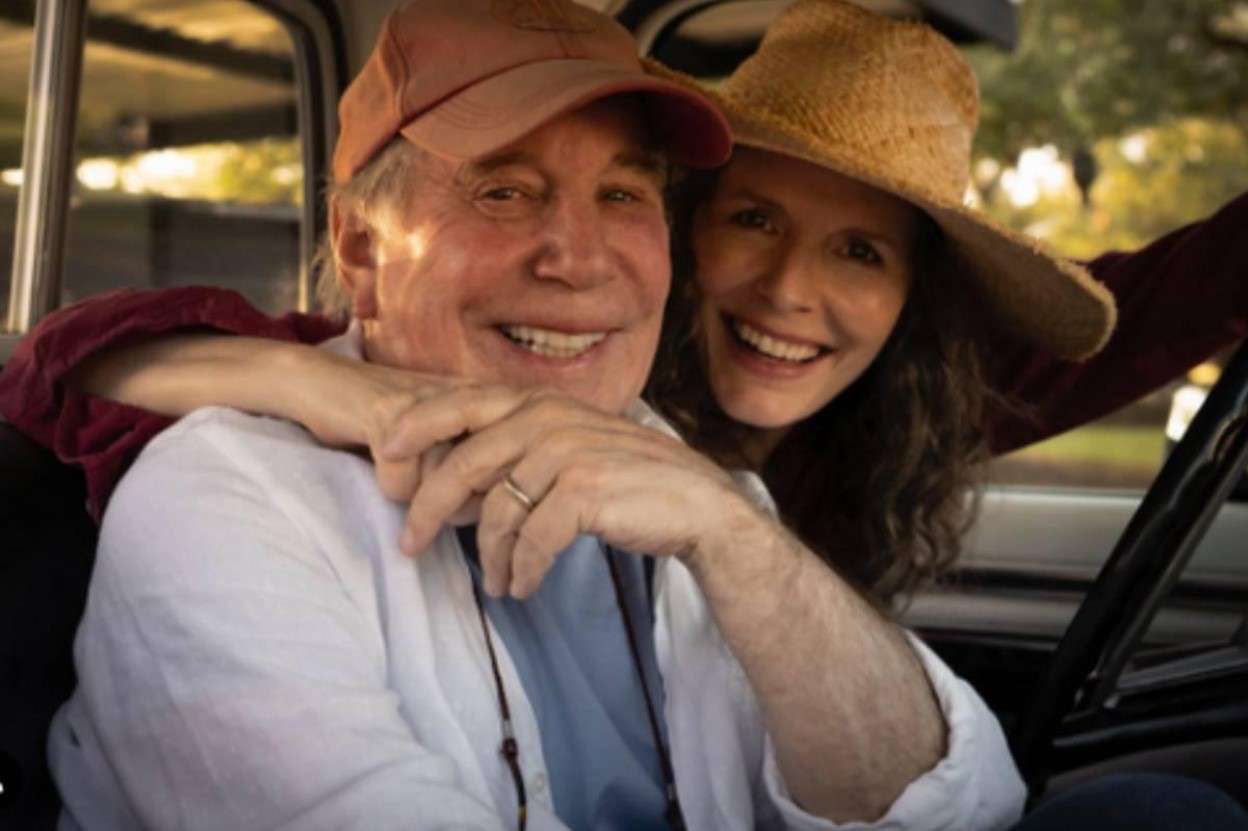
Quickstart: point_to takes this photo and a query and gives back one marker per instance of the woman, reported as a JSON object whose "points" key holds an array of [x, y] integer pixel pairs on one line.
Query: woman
{"points": [[873, 131], [844, 292]]}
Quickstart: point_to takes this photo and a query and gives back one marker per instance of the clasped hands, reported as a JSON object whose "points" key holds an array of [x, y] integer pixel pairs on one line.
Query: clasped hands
{"points": [[460, 452]]}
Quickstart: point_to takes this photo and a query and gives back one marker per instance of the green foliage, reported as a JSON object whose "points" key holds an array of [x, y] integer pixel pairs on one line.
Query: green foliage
{"points": [[1156, 90], [1085, 69], [1183, 171], [264, 172]]}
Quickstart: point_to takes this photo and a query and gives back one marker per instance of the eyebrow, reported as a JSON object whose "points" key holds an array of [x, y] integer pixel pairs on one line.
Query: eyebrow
{"points": [[652, 164], [894, 242], [750, 195], [877, 236]]}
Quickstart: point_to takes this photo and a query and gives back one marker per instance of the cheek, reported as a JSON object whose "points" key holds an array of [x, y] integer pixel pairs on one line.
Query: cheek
{"points": [[870, 313], [646, 246], [718, 265]]}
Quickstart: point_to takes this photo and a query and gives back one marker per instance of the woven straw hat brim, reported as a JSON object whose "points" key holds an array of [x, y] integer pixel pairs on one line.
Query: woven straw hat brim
{"points": [[1050, 301]]}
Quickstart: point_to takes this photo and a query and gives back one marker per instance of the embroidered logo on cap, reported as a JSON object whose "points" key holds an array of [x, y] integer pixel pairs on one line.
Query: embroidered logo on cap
{"points": [[543, 15]]}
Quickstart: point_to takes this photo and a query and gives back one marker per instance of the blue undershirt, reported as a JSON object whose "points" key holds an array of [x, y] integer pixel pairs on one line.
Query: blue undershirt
{"points": [[570, 649]]}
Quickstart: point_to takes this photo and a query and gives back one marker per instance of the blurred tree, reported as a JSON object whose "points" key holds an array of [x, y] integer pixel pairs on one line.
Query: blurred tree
{"points": [[1150, 182], [264, 171], [1085, 69], [1146, 101]]}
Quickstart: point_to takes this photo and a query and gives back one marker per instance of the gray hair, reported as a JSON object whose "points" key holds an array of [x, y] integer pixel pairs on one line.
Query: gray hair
{"points": [[374, 194]]}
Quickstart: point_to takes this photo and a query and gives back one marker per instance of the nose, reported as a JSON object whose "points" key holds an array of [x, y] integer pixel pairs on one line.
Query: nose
{"points": [[575, 248], [785, 283]]}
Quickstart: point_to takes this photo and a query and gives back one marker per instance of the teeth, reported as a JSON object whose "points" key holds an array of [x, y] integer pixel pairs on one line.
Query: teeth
{"points": [[552, 344], [773, 348]]}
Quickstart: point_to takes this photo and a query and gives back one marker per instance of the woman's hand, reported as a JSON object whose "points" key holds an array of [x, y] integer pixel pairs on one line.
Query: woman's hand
{"points": [[585, 471]]}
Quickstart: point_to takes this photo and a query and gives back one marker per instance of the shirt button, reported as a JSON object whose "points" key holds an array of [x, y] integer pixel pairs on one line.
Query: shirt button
{"points": [[539, 783]]}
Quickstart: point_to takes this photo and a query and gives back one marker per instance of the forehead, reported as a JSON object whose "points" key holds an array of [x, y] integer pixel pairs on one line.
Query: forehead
{"points": [[789, 180], [609, 130]]}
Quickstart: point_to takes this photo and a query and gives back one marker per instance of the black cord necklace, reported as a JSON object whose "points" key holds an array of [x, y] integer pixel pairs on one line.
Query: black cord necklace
{"points": [[510, 750], [672, 811]]}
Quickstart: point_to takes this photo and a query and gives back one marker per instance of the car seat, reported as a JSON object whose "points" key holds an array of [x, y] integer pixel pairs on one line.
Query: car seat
{"points": [[47, 545]]}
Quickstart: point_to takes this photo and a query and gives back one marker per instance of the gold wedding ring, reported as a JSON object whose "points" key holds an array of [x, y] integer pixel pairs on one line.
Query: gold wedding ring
{"points": [[518, 493]]}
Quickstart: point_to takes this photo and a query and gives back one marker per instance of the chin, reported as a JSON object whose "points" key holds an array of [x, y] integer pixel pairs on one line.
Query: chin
{"points": [[761, 415], [615, 402]]}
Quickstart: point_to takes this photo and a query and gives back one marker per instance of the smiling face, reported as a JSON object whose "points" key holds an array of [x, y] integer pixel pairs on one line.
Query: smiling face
{"points": [[802, 274], [544, 264]]}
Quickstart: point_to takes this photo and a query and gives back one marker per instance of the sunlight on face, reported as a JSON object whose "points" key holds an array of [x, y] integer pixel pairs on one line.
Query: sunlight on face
{"points": [[417, 244], [544, 264]]}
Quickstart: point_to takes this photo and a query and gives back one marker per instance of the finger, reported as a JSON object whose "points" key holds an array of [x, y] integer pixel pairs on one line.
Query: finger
{"points": [[479, 461], [551, 430], [504, 509], [400, 478], [546, 532], [501, 517], [467, 514], [470, 471], [524, 539], [447, 416]]}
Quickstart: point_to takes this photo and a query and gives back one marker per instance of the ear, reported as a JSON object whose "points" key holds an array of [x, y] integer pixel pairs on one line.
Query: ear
{"points": [[355, 253]]}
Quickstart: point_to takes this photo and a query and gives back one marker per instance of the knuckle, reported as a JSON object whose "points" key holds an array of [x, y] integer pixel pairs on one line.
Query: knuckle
{"points": [[546, 404], [558, 443], [532, 544], [398, 481], [478, 404], [581, 476], [493, 513], [460, 462]]}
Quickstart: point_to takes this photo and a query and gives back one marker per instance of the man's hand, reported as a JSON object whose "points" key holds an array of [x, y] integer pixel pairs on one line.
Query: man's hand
{"points": [[585, 471], [847, 704]]}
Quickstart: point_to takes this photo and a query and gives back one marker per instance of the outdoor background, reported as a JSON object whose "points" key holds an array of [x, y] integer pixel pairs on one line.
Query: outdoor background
{"points": [[1112, 123]]}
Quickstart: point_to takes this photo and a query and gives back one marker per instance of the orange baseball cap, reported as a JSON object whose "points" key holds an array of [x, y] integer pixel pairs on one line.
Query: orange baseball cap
{"points": [[463, 78]]}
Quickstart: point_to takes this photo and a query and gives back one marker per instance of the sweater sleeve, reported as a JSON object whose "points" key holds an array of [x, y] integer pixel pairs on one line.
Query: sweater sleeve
{"points": [[103, 437], [1180, 300]]}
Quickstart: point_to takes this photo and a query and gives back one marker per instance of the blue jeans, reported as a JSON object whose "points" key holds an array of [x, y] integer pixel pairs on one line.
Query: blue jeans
{"points": [[1138, 802]]}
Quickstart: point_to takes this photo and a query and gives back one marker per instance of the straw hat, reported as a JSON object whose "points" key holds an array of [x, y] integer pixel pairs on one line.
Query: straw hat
{"points": [[895, 105]]}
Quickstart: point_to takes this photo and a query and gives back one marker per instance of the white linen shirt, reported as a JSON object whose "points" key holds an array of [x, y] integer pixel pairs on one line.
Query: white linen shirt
{"points": [[257, 653]]}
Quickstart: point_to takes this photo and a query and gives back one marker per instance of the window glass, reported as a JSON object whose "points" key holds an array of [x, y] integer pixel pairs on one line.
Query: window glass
{"points": [[15, 45], [1109, 125], [187, 153]]}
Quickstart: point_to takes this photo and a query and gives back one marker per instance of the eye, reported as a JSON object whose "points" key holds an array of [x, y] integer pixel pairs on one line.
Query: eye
{"points": [[502, 194], [863, 251], [632, 190], [752, 218], [621, 195]]}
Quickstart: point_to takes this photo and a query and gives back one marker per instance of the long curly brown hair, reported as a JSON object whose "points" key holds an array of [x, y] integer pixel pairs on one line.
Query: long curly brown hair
{"points": [[882, 481]]}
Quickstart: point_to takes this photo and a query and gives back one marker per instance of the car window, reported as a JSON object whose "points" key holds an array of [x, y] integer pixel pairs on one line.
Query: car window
{"points": [[187, 156], [198, 132], [15, 49]]}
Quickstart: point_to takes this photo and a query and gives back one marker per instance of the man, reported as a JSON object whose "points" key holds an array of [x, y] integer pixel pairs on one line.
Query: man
{"points": [[257, 651]]}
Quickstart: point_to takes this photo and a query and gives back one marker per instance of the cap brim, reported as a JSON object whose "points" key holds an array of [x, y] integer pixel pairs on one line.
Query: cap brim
{"points": [[1046, 299], [500, 110]]}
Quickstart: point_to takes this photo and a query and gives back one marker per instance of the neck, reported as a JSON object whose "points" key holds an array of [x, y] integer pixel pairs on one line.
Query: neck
{"points": [[760, 443]]}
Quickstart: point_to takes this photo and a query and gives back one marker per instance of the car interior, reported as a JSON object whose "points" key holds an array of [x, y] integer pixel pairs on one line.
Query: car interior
{"points": [[1107, 628]]}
